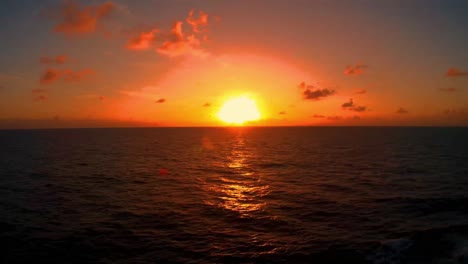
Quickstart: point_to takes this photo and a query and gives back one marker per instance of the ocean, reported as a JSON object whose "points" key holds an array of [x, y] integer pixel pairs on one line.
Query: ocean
{"points": [[234, 195]]}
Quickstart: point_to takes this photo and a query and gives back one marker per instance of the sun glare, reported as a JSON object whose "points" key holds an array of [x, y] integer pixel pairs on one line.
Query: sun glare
{"points": [[239, 110]]}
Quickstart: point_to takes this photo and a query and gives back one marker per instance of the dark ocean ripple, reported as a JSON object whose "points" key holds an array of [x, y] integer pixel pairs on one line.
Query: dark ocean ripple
{"points": [[236, 195]]}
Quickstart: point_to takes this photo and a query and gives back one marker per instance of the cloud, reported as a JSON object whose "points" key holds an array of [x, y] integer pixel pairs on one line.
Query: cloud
{"points": [[160, 101], [60, 59], [101, 98], [38, 91], [302, 85], [51, 75], [317, 94], [312, 93], [207, 105], [454, 72], [318, 116], [402, 110], [360, 91], [355, 70], [456, 112], [282, 113], [40, 98], [177, 43], [352, 107], [76, 76], [335, 118], [72, 18], [358, 108], [448, 90], [199, 22], [143, 41], [348, 104]]}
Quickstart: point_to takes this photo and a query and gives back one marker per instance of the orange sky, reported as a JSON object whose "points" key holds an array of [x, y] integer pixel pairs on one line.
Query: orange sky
{"points": [[174, 63]]}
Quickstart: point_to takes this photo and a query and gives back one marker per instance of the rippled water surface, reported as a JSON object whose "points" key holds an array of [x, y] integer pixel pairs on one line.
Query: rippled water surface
{"points": [[213, 195]]}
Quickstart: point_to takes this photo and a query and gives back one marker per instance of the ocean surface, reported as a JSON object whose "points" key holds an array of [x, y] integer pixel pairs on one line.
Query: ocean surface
{"points": [[234, 195]]}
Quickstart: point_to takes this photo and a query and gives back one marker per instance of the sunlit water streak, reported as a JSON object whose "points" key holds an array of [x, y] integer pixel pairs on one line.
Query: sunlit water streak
{"points": [[296, 195]]}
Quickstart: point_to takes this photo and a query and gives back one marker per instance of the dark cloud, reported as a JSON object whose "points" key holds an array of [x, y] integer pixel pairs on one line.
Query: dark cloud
{"points": [[51, 75], [455, 72], [207, 105], [352, 107], [355, 70], [60, 59], [74, 18], [335, 118], [358, 108], [312, 93], [318, 116], [282, 113], [348, 104], [402, 110], [160, 101], [448, 90]]}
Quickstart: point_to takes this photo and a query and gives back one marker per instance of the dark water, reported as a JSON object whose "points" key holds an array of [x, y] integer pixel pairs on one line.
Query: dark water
{"points": [[268, 195]]}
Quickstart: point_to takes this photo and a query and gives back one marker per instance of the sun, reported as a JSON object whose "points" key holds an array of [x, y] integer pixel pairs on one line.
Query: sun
{"points": [[239, 110]]}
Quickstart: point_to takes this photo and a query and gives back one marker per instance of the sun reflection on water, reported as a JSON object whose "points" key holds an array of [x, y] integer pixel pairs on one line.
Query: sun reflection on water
{"points": [[242, 189]]}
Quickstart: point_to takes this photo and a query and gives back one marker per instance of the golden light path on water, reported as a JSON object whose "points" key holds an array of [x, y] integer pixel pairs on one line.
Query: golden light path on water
{"points": [[242, 189]]}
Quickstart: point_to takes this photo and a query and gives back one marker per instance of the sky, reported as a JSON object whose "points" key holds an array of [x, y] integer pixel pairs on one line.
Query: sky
{"points": [[177, 62]]}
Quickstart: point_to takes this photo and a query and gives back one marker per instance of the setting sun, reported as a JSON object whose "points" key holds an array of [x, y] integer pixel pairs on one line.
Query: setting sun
{"points": [[239, 110]]}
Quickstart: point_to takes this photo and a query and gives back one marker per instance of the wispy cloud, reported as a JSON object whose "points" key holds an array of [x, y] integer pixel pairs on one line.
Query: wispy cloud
{"points": [[38, 91], [457, 112], [76, 76], [60, 59], [160, 101], [455, 72], [355, 70], [448, 90], [51, 75], [282, 113], [318, 116], [206, 105], [74, 18], [143, 41], [360, 91], [199, 22], [40, 98]]}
